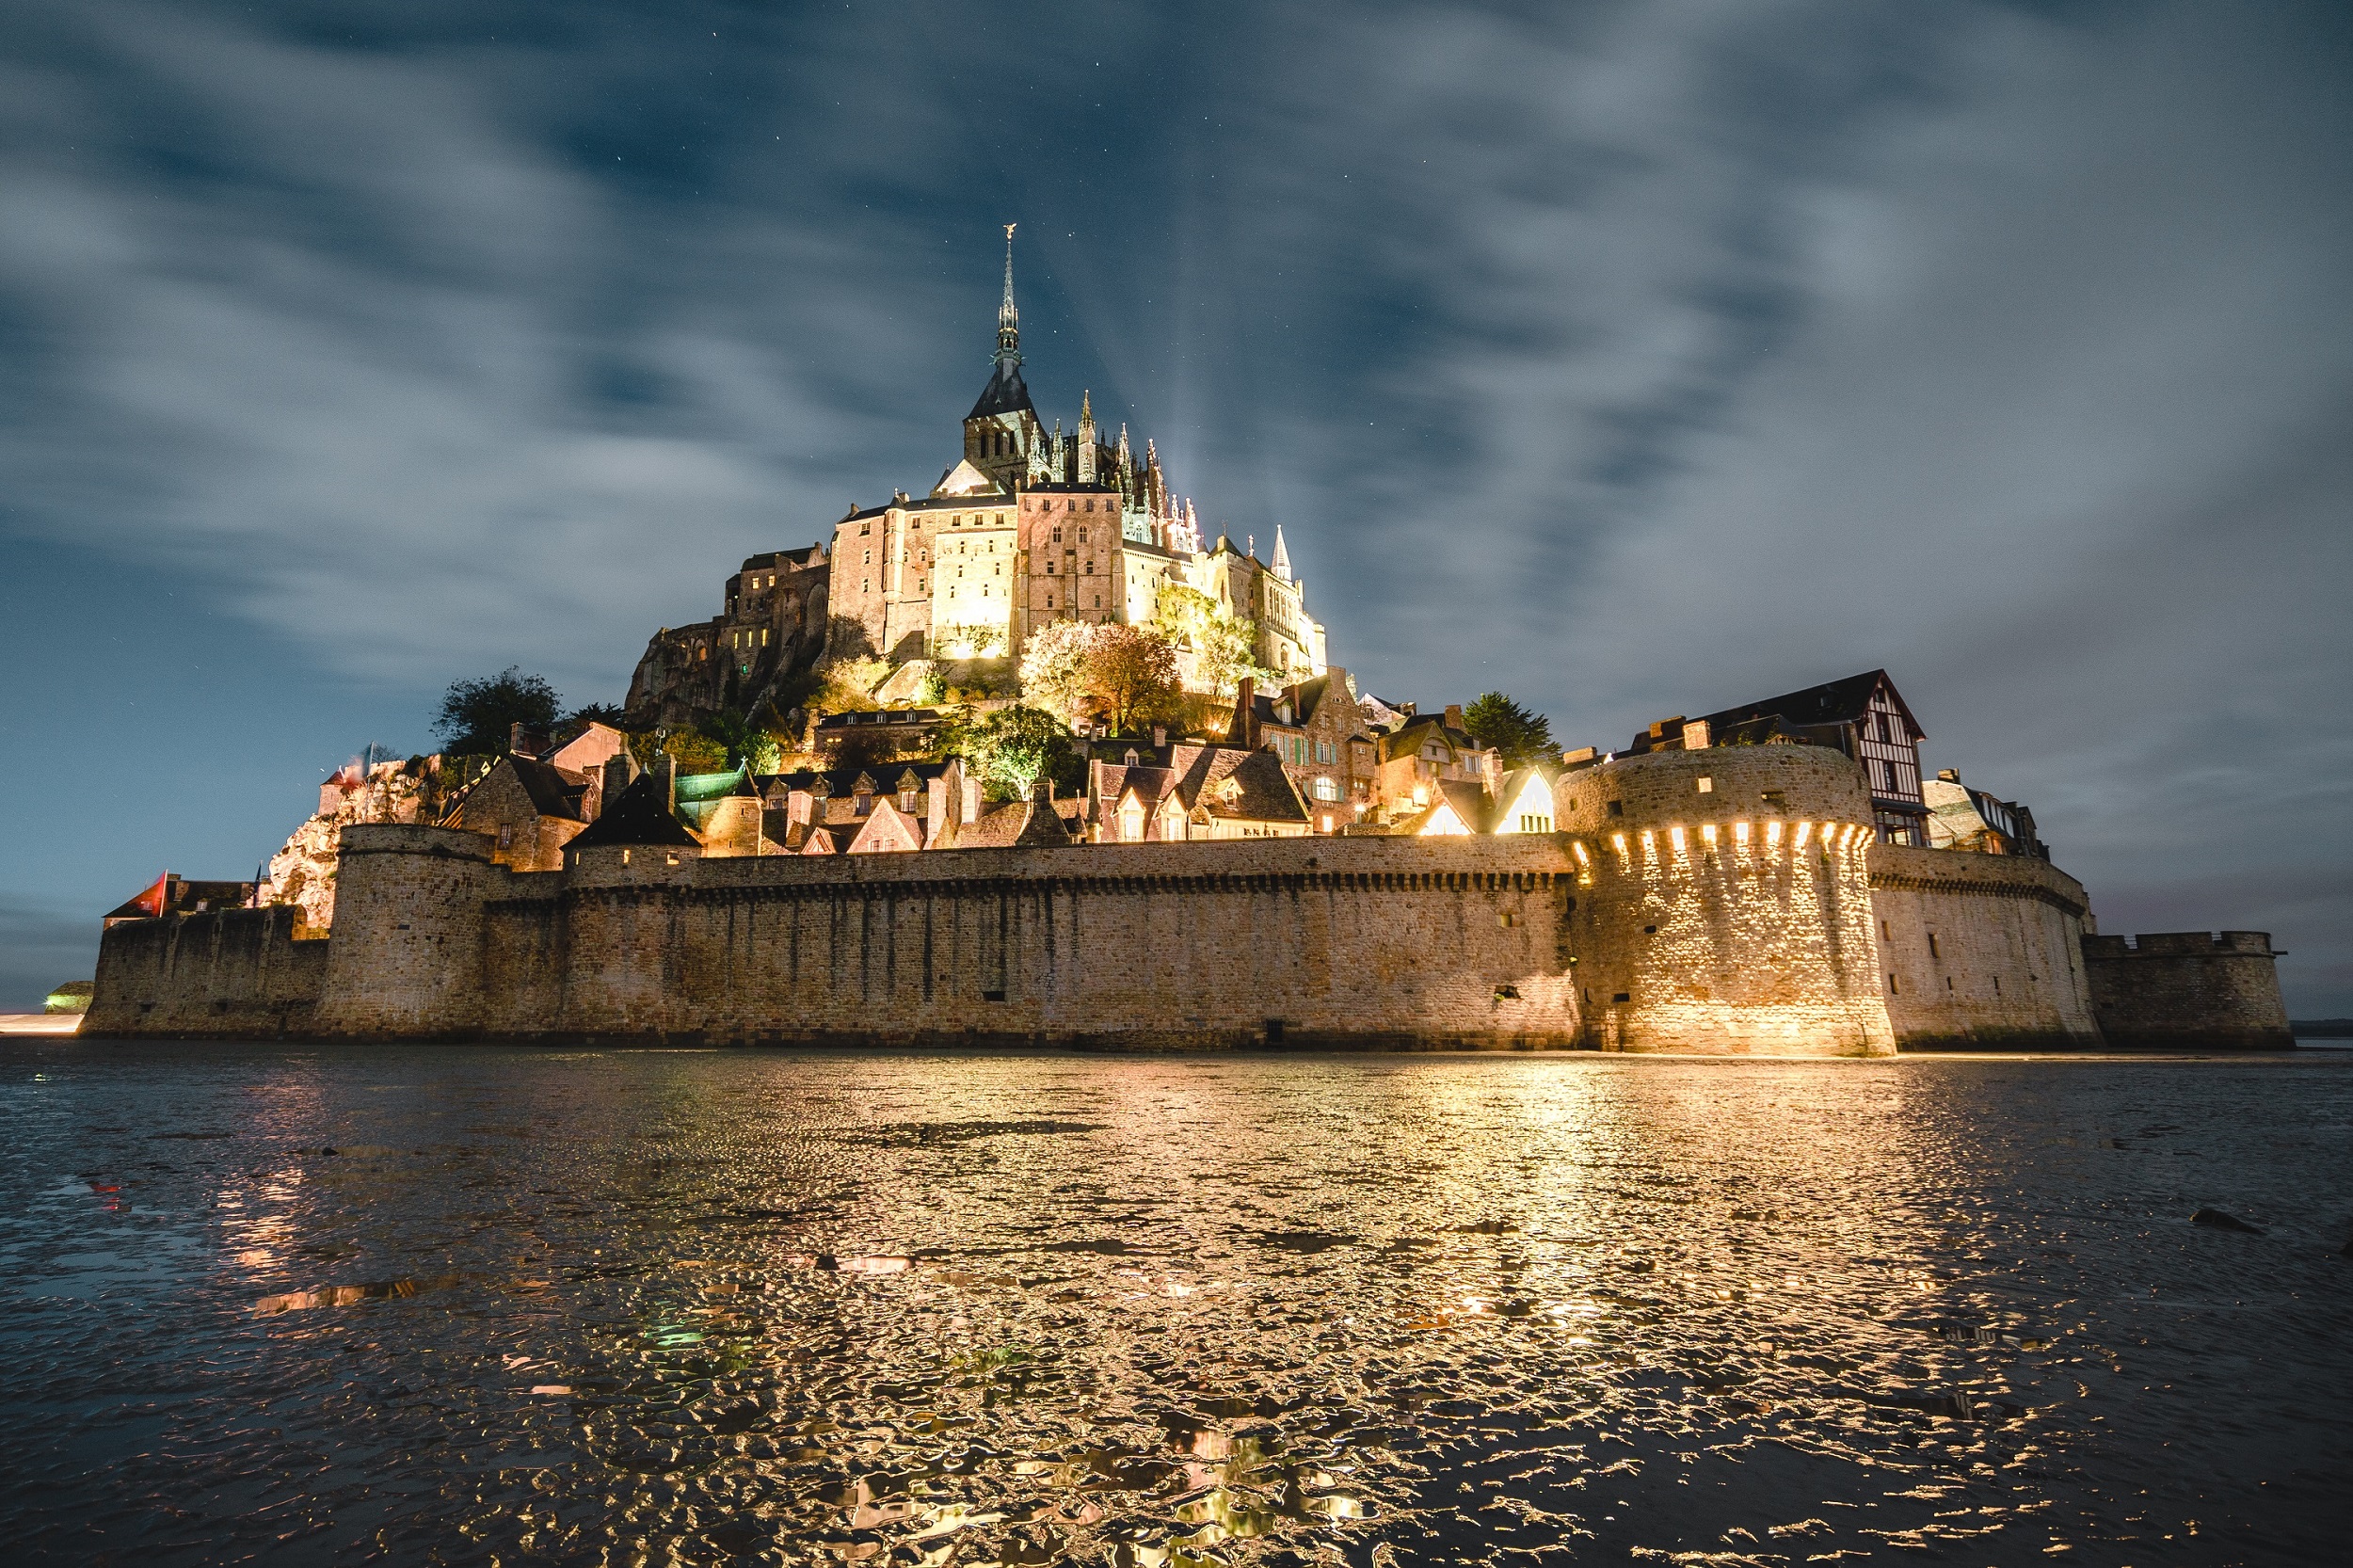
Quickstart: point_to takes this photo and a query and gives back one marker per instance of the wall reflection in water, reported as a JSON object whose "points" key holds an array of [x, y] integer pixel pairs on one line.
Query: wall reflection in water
{"points": [[738, 1307]]}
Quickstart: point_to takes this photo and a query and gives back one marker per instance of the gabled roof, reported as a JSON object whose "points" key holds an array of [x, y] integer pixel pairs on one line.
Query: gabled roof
{"points": [[843, 781], [1230, 782], [553, 791], [1006, 393], [965, 480], [1408, 737], [886, 828], [1444, 815], [1515, 783], [640, 815], [1831, 702]]}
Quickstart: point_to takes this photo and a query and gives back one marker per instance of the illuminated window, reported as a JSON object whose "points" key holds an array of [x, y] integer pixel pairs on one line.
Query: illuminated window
{"points": [[1708, 785]]}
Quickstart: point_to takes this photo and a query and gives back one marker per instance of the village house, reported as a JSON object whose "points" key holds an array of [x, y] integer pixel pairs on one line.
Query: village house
{"points": [[1966, 819], [1183, 790], [1520, 801], [1423, 752], [1862, 715], [1317, 731], [871, 809]]}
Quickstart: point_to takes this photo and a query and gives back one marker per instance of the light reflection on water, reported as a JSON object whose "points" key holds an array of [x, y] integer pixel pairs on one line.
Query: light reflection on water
{"points": [[452, 1306]]}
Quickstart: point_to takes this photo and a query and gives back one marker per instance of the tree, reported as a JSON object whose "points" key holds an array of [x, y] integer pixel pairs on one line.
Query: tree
{"points": [[744, 739], [597, 713], [1054, 666], [1494, 720], [478, 716], [1225, 645], [1130, 673], [1014, 747]]}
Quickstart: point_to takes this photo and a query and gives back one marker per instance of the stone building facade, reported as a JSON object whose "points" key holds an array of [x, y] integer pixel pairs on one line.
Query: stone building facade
{"points": [[772, 625], [1032, 525]]}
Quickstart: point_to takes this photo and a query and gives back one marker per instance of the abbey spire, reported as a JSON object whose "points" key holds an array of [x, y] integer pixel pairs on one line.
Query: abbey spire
{"points": [[1006, 393], [1008, 318]]}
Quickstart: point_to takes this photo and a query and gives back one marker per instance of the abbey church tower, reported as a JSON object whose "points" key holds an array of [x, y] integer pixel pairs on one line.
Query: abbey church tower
{"points": [[1002, 435]]}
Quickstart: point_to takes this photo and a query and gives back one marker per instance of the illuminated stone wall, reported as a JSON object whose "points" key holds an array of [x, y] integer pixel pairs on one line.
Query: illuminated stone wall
{"points": [[1755, 915], [1980, 952], [233, 974], [1725, 902]]}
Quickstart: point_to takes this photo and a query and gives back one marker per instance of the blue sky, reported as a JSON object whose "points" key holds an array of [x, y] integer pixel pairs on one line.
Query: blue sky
{"points": [[1636, 359]]}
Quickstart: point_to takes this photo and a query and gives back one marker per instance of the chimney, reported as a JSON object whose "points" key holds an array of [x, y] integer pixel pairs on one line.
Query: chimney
{"points": [[971, 798], [1455, 715], [1696, 736], [1245, 725], [1159, 734], [666, 765], [515, 736], [618, 768]]}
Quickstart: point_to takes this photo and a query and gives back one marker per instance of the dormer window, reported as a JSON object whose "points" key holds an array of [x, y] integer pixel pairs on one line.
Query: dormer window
{"points": [[1132, 758]]}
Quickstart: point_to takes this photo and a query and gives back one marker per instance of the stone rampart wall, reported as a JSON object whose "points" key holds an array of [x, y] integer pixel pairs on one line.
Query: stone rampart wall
{"points": [[1980, 952], [1755, 917], [1285, 941], [2189, 990], [231, 974]]}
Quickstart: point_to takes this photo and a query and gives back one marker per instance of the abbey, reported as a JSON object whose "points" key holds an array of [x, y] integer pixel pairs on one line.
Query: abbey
{"points": [[1036, 525], [1029, 525]]}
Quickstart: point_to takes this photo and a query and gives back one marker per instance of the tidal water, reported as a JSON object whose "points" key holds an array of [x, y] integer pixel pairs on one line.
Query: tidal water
{"points": [[478, 1305]]}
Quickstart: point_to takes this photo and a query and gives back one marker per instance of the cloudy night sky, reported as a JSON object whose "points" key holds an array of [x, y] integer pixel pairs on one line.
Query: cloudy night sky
{"points": [[1636, 359]]}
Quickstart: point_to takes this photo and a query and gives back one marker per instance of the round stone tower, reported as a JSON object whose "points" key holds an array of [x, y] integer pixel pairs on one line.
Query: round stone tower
{"points": [[404, 957], [1724, 904]]}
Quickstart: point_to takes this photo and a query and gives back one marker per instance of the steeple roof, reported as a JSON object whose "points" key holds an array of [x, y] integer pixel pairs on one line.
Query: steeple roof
{"points": [[1006, 393]]}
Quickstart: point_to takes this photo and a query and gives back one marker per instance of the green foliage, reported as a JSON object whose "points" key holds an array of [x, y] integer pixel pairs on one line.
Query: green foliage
{"points": [[933, 689], [1494, 720], [742, 739], [477, 716], [1225, 647], [594, 712], [1012, 749]]}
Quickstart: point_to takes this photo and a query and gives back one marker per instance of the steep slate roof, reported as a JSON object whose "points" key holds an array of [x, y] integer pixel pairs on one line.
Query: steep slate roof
{"points": [[640, 815], [553, 791], [1261, 790], [1006, 393], [1831, 702], [1470, 803], [1407, 738]]}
